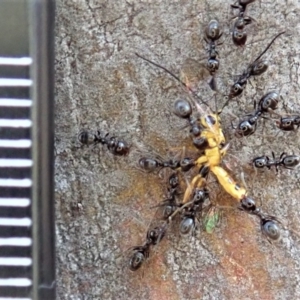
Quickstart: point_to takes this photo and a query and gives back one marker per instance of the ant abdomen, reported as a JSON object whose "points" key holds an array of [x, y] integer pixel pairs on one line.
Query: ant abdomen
{"points": [[259, 67], [183, 109], [87, 138], [149, 164], [136, 260], [290, 161], [269, 101], [187, 225], [213, 31], [270, 229]]}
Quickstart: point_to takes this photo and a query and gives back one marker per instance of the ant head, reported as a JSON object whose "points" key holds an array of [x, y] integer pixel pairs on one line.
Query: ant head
{"points": [[236, 89], [155, 235], [286, 123], [200, 143], [212, 65], [121, 148], [245, 128], [260, 162], [239, 37], [200, 195], [204, 171], [196, 130], [248, 205], [173, 180], [186, 164]]}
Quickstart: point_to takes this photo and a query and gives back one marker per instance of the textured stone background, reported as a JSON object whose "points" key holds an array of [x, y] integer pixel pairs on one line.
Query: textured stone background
{"points": [[103, 202]]}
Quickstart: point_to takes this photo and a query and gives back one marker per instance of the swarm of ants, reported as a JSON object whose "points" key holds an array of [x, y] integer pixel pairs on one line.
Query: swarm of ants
{"points": [[193, 205]]}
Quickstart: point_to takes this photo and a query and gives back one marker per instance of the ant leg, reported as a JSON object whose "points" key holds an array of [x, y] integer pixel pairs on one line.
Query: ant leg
{"points": [[282, 155]]}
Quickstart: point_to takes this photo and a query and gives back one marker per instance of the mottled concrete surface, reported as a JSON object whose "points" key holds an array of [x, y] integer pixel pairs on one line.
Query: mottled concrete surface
{"points": [[103, 203]]}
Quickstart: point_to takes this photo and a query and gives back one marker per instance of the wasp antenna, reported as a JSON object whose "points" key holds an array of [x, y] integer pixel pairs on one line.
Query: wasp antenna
{"points": [[174, 76], [163, 68], [267, 48], [198, 107]]}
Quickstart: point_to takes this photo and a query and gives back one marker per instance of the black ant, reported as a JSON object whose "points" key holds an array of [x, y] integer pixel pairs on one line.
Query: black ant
{"points": [[141, 253], [266, 104], [169, 203], [183, 109], [212, 34], [268, 224], [190, 213], [285, 161], [152, 164], [239, 35], [157, 232], [257, 67], [289, 123], [115, 146]]}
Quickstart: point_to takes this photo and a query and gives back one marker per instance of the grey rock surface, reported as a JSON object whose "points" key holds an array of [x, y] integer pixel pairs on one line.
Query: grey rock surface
{"points": [[103, 202]]}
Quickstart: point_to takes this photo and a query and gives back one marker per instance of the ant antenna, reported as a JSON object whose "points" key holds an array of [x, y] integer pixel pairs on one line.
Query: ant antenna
{"points": [[260, 55], [174, 76], [225, 104], [267, 48]]}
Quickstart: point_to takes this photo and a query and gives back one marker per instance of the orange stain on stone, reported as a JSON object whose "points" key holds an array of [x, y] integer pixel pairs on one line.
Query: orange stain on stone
{"points": [[242, 261]]}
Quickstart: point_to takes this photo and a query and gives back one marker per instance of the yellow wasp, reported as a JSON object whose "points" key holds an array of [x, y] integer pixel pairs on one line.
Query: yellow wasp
{"points": [[214, 148]]}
